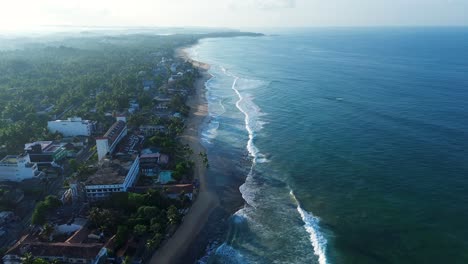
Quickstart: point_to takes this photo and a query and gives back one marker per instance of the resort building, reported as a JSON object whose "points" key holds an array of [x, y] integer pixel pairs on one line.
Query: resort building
{"points": [[18, 168], [149, 164], [151, 130], [151, 161], [72, 127], [112, 176], [106, 144], [45, 152]]}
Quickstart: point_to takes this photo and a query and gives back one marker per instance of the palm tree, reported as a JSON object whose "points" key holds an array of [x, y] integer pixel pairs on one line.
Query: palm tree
{"points": [[127, 260], [27, 258], [173, 215], [47, 231], [150, 244]]}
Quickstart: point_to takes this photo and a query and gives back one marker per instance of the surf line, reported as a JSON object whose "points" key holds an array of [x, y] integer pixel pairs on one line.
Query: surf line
{"points": [[311, 225]]}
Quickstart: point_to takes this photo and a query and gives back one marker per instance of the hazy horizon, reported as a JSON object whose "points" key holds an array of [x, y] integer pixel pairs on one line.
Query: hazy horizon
{"points": [[24, 15]]}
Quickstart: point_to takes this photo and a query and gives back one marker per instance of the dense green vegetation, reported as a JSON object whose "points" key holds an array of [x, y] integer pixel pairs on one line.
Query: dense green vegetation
{"points": [[143, 217], [85, 75], [49, 204], [74, 76]]}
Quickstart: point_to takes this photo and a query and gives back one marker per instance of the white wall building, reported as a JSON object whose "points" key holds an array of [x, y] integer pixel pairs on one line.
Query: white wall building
{"points": [[113, 176], [107, 144], [18, 168], [71, 127]]}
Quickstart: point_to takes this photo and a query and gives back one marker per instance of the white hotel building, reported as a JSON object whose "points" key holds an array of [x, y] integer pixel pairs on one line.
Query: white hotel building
{"points": [[106, 144], [72, 127], [113, 176], [18, 168]]}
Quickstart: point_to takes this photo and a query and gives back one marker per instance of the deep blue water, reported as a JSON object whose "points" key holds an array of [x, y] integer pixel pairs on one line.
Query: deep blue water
{"points": [[359, 140]]}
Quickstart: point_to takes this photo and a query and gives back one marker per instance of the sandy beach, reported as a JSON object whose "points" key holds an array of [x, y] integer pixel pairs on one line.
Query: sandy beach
{"points": [[174, 250]]}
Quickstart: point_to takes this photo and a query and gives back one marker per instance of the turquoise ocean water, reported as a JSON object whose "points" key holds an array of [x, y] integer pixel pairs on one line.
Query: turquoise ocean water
{"points": [[358, 140]]}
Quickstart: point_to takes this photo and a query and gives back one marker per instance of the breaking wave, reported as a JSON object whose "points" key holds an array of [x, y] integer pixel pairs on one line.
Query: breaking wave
{"points": [[311, 225], [251, 112]]}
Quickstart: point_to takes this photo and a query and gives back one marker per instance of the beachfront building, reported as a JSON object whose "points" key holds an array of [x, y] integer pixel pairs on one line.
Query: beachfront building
{"points": [[18, 168], [45, 152], [72, 127], [151, 161], [106, 144], [151, 130], [111, 177], [149, 164]]}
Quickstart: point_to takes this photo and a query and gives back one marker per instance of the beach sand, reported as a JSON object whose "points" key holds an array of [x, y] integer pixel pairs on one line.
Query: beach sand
{"points": [[208, 219], [176, 248]]}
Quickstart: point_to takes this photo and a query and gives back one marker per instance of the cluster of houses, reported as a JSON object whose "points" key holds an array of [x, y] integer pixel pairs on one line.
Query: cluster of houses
{"points": [[122, 160], [38, 154], [72, 243]]}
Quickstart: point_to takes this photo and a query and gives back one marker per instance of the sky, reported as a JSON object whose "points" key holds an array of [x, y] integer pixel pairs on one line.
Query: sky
{"points": [[26, 14]]}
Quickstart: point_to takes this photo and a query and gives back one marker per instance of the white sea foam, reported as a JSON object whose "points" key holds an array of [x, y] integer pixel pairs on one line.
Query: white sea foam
{"points": [[211, 132], [249, 109], [311, 225], [253, 125], [230, 255]]}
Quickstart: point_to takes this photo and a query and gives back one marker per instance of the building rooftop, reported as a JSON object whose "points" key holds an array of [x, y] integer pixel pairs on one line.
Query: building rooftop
{"points": [[51, 148], [74, 119], [44, 145], [111, 172], [114, 131], [10, 159], [68, 249], [129, 144], [86, 251], [150, 156], [152, 126]]}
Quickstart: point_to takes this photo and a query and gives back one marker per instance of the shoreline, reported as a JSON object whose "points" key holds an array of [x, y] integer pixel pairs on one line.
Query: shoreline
{"points": [[207, 200], [207, 221]]}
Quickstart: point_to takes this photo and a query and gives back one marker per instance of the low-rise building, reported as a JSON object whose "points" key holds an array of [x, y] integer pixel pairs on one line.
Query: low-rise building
{"points": [[18, 168], [133, 107], [149, 164], [162, 98], [45, 152], [148, 84], [71, 127], [74, 250], [112, 176], [151, 130]]}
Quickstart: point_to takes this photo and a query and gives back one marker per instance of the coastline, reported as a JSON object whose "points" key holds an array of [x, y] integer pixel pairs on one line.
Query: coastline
{"points": [[175, 249]]}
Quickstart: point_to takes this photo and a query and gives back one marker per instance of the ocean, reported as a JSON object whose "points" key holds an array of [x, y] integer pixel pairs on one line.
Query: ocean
{"points": [[353, 144]]}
